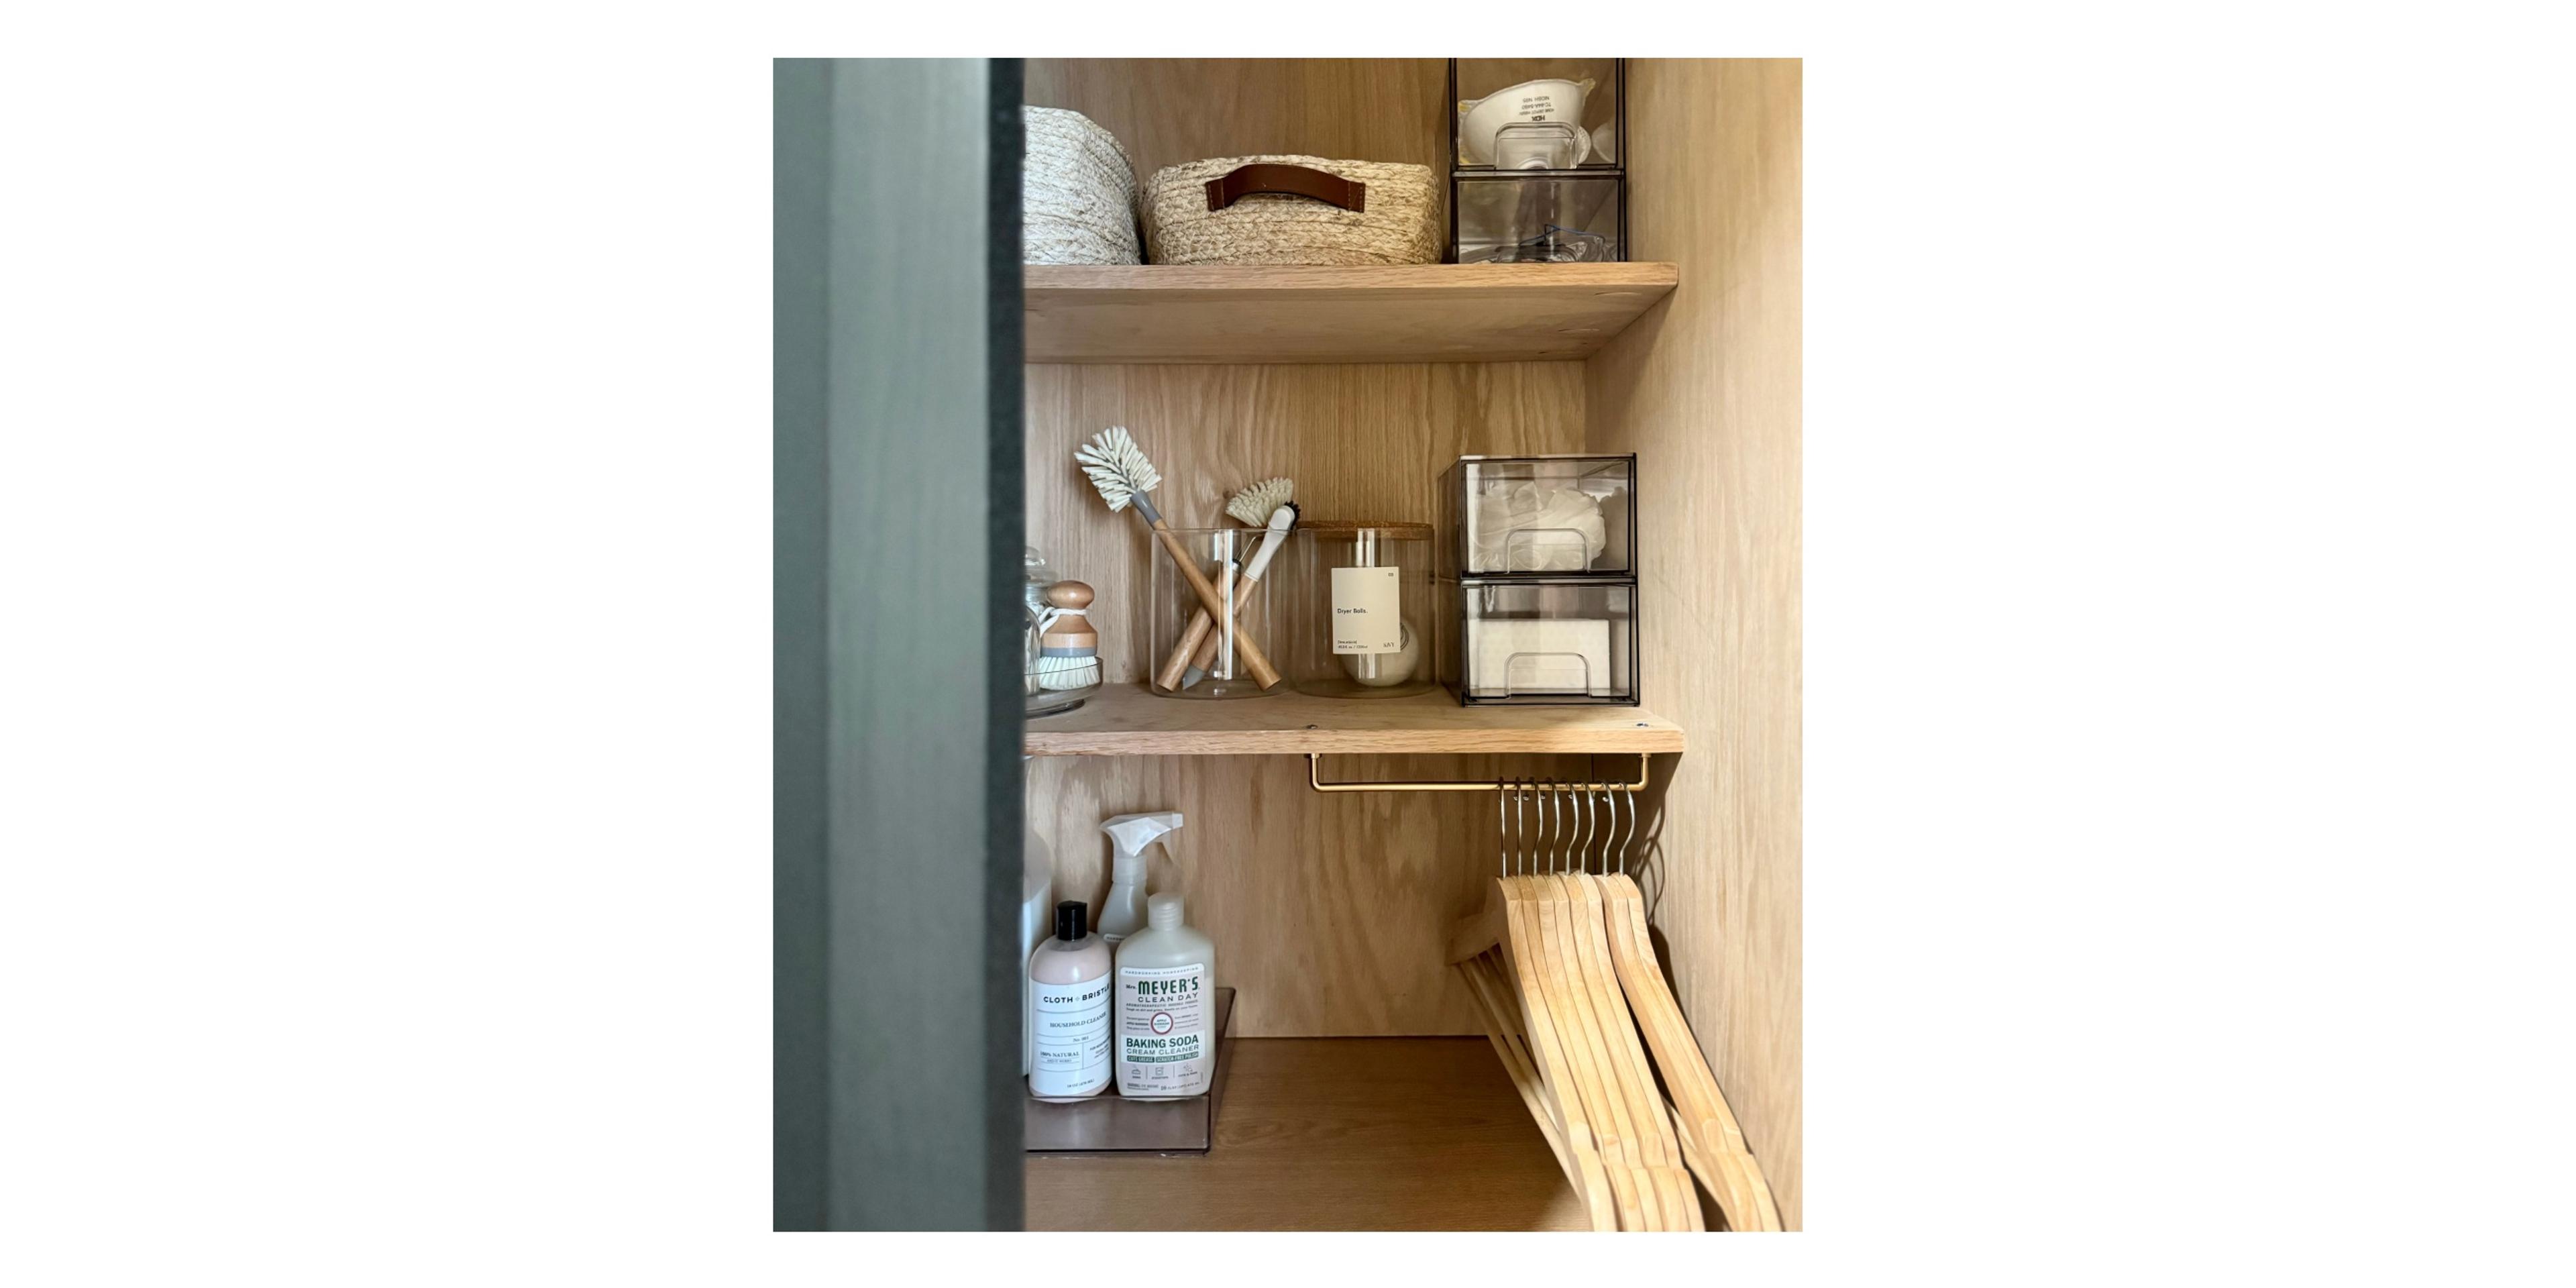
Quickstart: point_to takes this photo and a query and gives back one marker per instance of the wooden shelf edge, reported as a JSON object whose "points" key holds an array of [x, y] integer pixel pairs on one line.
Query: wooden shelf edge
{"points": [[1649, 741], [1241, 313], [1124, 720], [1659, 278]]}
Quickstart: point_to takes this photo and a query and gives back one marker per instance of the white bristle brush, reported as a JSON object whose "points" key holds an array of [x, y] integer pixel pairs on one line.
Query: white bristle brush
{"points": [[1253, 506], [1120, 470], [1263, 505], [1124, 477]]}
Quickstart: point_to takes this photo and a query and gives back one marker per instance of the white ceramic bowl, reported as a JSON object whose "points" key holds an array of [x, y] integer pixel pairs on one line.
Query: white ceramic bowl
{"points": [[1538, 100]]}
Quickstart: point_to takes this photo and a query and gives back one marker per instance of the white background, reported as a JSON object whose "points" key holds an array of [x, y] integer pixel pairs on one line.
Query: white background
{"points": [[384, 660]]}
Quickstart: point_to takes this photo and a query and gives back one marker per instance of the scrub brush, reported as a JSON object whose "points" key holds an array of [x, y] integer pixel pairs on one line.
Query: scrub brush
{"points": [[1124, 476], [1252, 506], [1263, 505]]}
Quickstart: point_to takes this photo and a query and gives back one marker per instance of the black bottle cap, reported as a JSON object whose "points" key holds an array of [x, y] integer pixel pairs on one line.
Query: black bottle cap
{"points": [[1072, 918]]}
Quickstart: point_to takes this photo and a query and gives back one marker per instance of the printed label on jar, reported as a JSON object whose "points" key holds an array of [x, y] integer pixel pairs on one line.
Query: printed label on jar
{"points": [[1367, 610], [1164, 1047], [1069, 1034]]}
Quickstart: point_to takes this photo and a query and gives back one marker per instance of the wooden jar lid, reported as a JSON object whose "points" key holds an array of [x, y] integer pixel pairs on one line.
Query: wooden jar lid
{"points": [[1350, 527]]}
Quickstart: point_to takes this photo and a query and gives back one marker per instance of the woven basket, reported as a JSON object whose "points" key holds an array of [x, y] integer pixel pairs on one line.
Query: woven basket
{"points": [[1292, 210], [1077, 192]]}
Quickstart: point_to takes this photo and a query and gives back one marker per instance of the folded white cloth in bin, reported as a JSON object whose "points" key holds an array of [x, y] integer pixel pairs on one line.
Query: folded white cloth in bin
{"points": [[1539, 655], [1524, 527]]}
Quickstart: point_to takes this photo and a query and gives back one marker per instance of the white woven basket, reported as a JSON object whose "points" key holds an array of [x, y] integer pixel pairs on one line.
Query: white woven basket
{"points": [[1077, 191], [1397, 223]]}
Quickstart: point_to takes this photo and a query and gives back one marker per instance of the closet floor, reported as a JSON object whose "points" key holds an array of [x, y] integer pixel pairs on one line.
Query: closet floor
{"points": [[1332, 1134]]}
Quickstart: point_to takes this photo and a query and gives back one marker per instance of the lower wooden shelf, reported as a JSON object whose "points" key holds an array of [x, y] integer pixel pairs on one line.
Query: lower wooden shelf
{"points": [[1333, 1134], [1129, 720]]}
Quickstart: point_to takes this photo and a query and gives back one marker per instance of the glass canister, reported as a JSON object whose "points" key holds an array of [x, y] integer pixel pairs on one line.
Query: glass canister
{"points": [[1043, 700], [1188, 657], [1064, 650], [1366, 629]]}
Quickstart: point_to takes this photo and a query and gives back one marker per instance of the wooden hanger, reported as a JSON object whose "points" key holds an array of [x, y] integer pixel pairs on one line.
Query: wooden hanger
{"points": [[1548, 962], [1495, 1006], [1578, 1030], [1569, 1011], [1708, 1128], [1470, 936], [1605, 1046], [1657, 1150], [1592, 1181]]}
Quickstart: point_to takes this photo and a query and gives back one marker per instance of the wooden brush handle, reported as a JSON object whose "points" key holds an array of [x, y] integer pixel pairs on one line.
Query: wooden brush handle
{"points": [[1206, 651], [1254, 660], [1198, 643]]}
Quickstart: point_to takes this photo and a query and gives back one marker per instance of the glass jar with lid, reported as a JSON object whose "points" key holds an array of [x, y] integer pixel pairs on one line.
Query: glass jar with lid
{"points": [[1366, 631]]}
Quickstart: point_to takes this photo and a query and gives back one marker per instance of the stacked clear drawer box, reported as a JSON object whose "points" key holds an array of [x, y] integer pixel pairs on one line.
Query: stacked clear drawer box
{"points": [[1538, 574]]}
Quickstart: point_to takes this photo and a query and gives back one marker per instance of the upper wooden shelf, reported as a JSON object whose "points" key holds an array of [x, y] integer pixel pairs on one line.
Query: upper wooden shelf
{"points": [[1127, 720], [1409, 313]]}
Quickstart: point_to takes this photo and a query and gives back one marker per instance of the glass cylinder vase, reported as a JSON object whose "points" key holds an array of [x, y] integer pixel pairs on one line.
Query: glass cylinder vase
{"points": [[1209, 665], [1366, 631]]}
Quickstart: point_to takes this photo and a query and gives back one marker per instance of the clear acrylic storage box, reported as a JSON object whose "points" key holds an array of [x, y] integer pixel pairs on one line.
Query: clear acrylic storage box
{"points": [[1543, 516], [1493, 96], [1559, 219], [1534, 161], [1542, 643]]}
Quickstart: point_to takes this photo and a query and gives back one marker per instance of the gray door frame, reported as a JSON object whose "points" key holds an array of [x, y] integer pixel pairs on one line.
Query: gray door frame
{"points": [[897, 652]]}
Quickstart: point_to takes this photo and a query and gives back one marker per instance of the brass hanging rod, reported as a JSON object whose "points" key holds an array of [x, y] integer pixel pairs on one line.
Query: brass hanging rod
{"points": [[1315, 779]]}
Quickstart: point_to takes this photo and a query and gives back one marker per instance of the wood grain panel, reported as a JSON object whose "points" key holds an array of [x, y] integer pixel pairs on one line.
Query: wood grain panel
{"points": [[1705, 389], [1408, 313], [1326, 909], [1423, 1134], [1169, 110]]}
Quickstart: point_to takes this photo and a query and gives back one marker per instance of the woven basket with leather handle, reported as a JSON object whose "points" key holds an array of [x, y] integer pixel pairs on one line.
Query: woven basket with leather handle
{"points": [[1291, 210]]}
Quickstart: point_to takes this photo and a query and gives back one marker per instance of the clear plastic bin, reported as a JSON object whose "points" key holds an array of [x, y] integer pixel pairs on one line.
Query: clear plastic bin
{"points": [[1495, 94], [1534, 643], [1540, 516], [1540, 219]]}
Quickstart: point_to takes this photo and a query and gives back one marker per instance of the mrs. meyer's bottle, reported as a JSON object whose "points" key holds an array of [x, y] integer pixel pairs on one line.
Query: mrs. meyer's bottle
{"points": [[1166, 1007]]}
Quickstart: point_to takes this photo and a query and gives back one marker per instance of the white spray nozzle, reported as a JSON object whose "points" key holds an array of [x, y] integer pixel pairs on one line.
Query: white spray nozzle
{"points": [[1130, 834]]}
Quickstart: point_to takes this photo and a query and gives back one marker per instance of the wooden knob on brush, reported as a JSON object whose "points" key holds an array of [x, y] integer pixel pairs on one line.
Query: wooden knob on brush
{"points": [[1072, 630]]}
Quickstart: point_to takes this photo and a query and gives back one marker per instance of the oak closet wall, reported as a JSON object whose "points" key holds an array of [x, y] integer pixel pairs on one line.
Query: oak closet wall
{"points": [[1329, 910], [1705, 389]]}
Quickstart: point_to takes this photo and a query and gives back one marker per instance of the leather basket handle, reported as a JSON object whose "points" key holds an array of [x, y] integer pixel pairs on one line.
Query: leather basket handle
{"points": [[1287, 181]]}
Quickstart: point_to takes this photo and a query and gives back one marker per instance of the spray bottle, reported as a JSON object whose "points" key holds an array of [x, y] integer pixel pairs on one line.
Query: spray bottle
{"points": [[1123, 913]]}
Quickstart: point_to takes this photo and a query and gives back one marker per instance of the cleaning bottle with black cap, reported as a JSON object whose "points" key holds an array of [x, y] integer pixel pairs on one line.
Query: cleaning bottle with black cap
{"points": [[1069, 1009]]}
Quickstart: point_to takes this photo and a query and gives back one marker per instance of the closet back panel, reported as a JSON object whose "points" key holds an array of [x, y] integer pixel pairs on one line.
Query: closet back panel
{"points": [[1705, 389], [1328, 910]]}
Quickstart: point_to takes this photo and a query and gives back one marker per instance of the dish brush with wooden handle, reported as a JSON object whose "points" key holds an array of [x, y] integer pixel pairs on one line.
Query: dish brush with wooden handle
{"points": [[1124, 476]]}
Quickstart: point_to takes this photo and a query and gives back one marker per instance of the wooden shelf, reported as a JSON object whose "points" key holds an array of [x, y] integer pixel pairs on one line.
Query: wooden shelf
{"points": [[1410, 313], [1129, 720], [1332, 1134]]}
